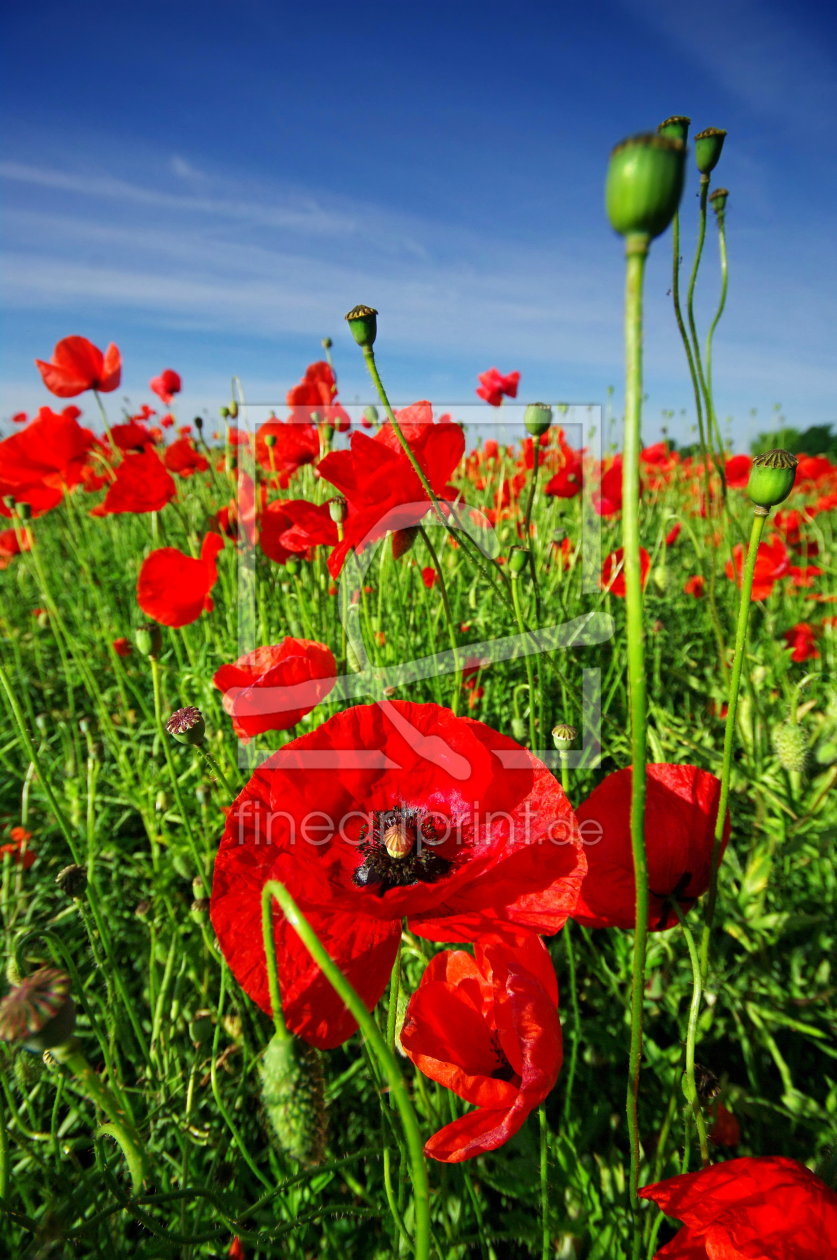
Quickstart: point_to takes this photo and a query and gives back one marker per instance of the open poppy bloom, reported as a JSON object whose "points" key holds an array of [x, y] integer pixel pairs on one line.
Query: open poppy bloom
{"points": [[493, 386], [48, 457], [680, 812], [486, 1026], [142, 484], [385, 812], [77, 365], [379, 483], [290, 527], [183, 458], [166, 385], [173, 588], [316, 396], [293, 443], [272, 688], [12, 543], [613, 571], [749, 1208], [772, 563]]}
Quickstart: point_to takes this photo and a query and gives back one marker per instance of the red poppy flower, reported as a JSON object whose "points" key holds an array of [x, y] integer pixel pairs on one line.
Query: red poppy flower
{"points": [[292, 526], [12, 543], [607, 500], [40, 463], [77, 365], [272, 688], [493, 386], [165, 386], [122, 647], [18, 849], [802, 640], [174, 589], [183, 458], [753, 1208], [568, 481], [737, 471], [378, 482], [695, 585], [388, 811], [429, 577], [316, 394], [132, 436], [673, 534], [680, 812], [487, 1028], [771, 565], [725, 1131], [141, 485], [20, 417], [294, 445], [613, 571]]}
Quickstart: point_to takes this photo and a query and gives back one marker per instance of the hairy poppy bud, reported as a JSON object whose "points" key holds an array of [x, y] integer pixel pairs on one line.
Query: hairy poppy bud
{"points": [[149, 639], [518, 559], [293, 1097], [39, 1012], [363, 324], [790, 745], [187, 726], [771, 478], [537, 418], [72, 880], [564, 736], [708, 146], [644, 183], [676, 127]]}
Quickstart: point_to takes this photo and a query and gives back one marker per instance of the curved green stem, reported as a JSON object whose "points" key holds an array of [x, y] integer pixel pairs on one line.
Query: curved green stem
{"points": [[382, 1052], [689, 1084], [527, 660], [454, 645], [722, 301], [636, 250], [93, 1087]]}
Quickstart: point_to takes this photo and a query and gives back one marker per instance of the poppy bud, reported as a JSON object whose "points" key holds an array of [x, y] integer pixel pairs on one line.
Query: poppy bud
{"points": [[644, 184], [337, 508], [292, 566], [518, 727], [187, 726], [676, 127], [224, 413], [327, 343], [270, 440], [72, 880], [293, 1097], [232, 410], [370, 415], [161, 801], [708, 146], [149, 639], [564, 736], [39, 1012], [537, 418], [718, 201], [199, 423], [518, 559], [790, 745], [363, 325], [771, 478]]}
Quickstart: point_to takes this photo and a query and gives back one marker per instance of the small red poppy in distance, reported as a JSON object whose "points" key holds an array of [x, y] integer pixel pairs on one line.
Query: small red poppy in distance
{"points": [[802, 640], [173, 588], [486, 1026], [78, 365], [680, 813], [493, 386], [165, 386], [12, 543], [385, 812], [613, 571], [772, 563], [272, 688], [758, 1208]]}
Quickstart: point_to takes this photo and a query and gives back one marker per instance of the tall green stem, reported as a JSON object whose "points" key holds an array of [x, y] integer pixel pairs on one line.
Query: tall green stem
{"points": [[382, 1052], [636, 252]]}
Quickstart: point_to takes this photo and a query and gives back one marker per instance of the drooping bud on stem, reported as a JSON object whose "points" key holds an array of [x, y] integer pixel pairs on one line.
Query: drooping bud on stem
{"points": [[293, 1097]]}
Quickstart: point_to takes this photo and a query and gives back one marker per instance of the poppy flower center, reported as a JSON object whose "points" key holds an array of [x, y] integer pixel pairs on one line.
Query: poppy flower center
{"points": [[397, 851]]}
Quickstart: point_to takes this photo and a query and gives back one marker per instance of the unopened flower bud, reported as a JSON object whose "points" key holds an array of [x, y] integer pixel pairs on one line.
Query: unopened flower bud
{"points": [[676, 127], [363, 324], [293, 1097], [564, 736], [270, 440], [199, 423], [644, 184], [708, 146], [72, 880], [537, 418], [327, 343], [518, 559], [187, 726], [518, 727], [224, 413], [370, 415], [39, 1012], [232, 410], [149, 639], [790, 745], [771, 478], [292, 566]]}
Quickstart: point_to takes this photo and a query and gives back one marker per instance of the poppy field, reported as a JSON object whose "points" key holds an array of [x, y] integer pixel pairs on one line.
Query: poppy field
{"points": [[417, 827]]}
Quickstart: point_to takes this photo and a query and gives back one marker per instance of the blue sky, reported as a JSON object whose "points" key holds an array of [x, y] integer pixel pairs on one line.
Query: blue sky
{"points": [[213, 186]]}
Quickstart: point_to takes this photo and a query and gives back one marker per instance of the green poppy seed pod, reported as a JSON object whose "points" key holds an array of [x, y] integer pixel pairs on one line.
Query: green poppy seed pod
{"points": [[790, 745], [370, 415], [676, 127], [363, 324], [337, 509], [708, 146], [72, 880], [39, 1012], [644, 184], [232, 410], [518, 559], [224, 413], [718, 201], [537, 418], [771, 478], [292, 566], [564, 736], [149, 639], [187, 726], [270, 440], [293, 1097]]}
